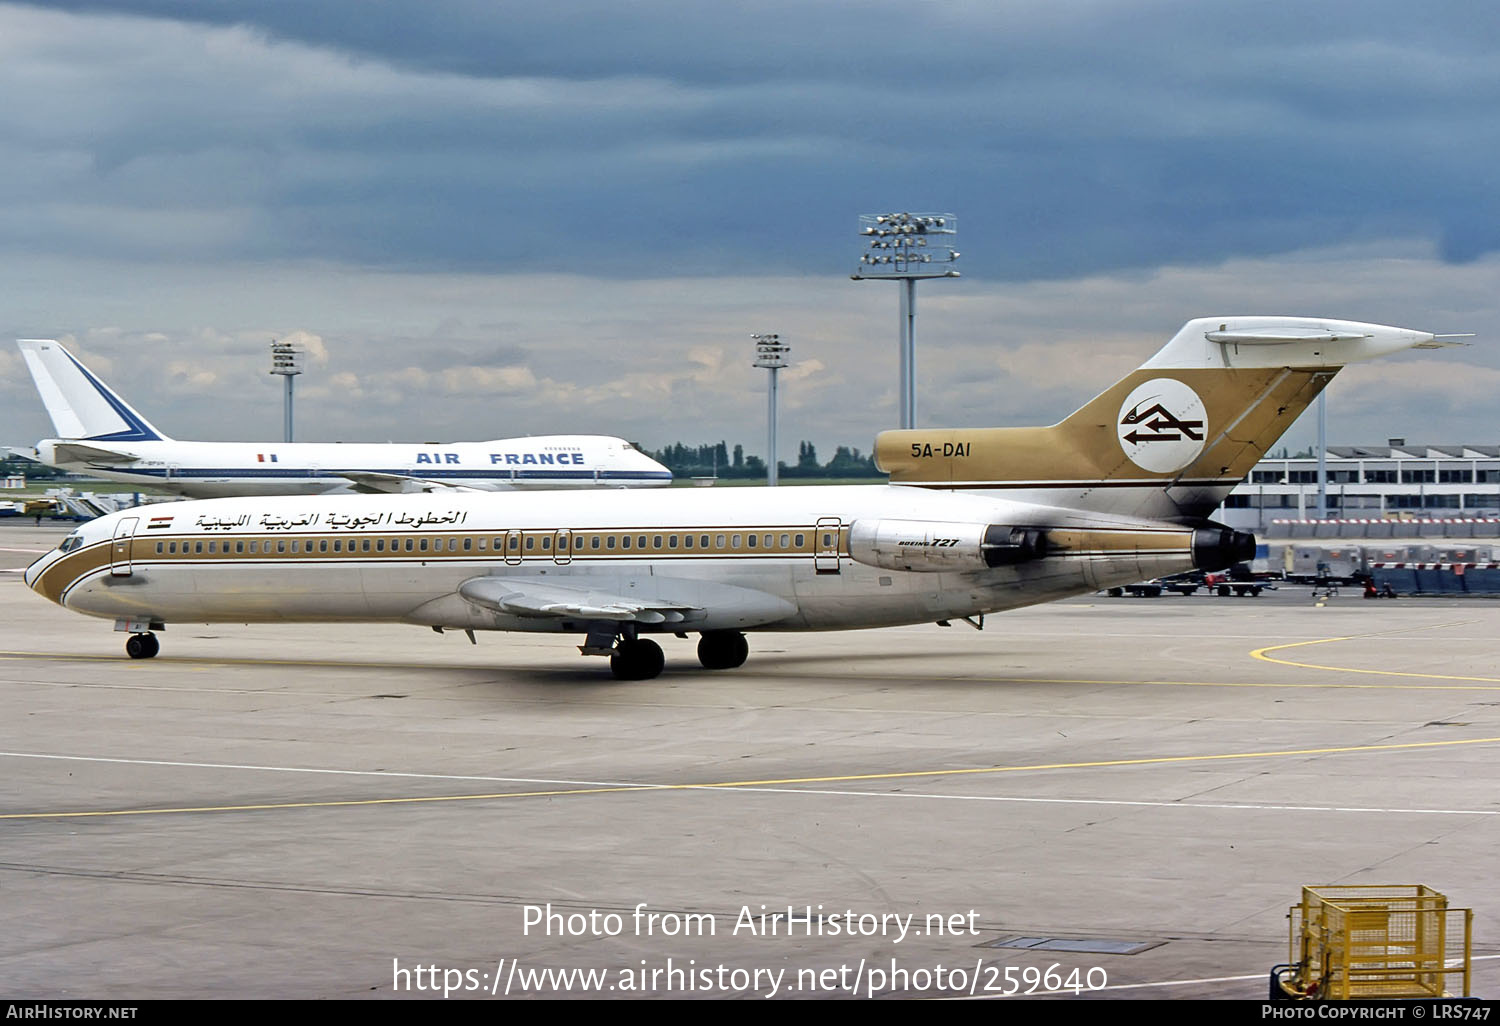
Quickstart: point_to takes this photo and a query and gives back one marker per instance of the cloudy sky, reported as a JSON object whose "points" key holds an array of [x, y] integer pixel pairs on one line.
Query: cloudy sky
{"points": [[488, 218]]}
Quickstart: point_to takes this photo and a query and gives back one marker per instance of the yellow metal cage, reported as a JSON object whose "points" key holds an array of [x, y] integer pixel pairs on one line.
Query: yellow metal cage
{"points": [[1376, 941]]}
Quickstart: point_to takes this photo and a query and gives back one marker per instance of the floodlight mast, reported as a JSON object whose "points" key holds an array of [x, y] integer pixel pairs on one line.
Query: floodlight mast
{"points": [[770, 353], [286, 360], [901, 250]]}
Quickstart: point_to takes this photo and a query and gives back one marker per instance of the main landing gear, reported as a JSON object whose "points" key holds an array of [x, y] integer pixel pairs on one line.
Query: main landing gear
{"points": [[722, 650], [635, 658], [142, 646]]}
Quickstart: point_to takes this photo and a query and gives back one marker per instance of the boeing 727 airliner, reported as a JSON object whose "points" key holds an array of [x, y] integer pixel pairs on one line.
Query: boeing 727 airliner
{"points": [[974, 522], [102, 436]]}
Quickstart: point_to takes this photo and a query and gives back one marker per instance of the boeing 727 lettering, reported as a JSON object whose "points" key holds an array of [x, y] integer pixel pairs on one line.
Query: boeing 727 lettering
{"points": [[974, 522], [100, 435]]}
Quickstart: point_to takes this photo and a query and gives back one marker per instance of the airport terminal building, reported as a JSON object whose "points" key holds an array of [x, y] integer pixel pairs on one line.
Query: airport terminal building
{"points": [[1374, 482]]}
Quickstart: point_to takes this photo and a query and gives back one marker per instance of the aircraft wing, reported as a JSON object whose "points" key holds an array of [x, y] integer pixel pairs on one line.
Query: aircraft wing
{"points": [[531, 597], [400, 484], [77, 452], [642, 598]]}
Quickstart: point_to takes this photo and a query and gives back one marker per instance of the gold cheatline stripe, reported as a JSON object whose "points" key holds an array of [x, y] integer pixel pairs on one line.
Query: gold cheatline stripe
{"points": [[61, 576]]}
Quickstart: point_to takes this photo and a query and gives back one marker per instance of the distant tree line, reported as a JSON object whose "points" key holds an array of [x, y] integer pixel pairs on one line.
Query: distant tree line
{"points": [[717, 459], [10, 464]]}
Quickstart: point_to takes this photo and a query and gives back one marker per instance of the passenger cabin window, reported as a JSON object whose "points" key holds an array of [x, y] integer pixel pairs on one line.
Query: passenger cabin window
{"points": [[625, 542], [239, 546], [751, 539], [159, 546]]}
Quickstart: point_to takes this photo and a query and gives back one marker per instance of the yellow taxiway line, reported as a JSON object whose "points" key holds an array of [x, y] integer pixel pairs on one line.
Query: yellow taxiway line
{"points": [[1260, 653], [733, 784]]}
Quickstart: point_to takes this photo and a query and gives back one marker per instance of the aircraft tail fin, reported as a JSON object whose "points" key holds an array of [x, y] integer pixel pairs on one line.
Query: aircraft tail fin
{"points": [[1172, 438], [80, 405]]}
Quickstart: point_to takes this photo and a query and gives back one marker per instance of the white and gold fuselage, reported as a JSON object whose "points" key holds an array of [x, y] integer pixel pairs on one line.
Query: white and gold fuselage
{"points": [[741, 558]]}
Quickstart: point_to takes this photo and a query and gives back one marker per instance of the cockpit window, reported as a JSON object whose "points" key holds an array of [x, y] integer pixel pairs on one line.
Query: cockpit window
{"points": [[70, 543]]}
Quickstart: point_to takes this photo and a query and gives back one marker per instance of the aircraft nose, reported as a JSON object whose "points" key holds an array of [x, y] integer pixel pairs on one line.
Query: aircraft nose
{"points": [[33, 572]]}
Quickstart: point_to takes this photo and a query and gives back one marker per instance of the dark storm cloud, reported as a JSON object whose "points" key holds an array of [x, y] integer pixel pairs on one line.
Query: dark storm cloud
{"points": [[665, 138]]}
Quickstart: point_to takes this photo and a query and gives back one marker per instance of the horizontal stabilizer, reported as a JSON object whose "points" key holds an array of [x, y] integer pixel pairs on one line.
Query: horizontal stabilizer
{"points": [[77, 452], [1444, 341], [1271, 337]]}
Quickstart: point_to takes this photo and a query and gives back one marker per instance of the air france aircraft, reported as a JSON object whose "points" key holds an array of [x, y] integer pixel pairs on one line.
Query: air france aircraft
{"points": [[102, 436], [974, 522]]}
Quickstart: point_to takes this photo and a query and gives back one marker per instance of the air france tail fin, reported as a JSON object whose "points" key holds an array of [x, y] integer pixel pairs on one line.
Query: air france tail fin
{"points": [[1169, 440], [80, 405]]}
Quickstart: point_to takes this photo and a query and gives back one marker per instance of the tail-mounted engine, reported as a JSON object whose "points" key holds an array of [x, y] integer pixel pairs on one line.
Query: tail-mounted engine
{"points": [[935, 546], [1216, 547]]}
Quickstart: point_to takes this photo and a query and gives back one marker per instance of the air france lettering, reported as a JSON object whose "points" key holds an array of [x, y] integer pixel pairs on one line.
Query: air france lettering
{"points": [[926, 450], [535, 458]]}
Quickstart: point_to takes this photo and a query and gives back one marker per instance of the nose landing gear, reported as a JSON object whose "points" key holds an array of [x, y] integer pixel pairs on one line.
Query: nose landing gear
{"points": [[142, 646]]}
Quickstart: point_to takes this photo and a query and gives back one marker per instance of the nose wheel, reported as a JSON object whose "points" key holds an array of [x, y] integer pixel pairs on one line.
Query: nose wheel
{"points": [[142, 646]]}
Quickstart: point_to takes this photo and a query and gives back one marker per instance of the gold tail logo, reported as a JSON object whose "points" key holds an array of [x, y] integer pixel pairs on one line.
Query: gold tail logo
{"points": [[1170, 439]]}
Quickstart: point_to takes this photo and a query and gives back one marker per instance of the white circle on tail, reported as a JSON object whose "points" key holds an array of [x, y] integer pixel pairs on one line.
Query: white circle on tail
{"points": [[1162, 425]]}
